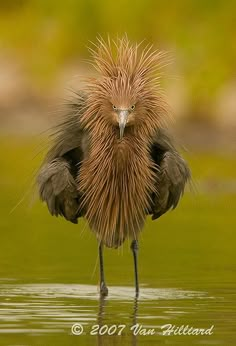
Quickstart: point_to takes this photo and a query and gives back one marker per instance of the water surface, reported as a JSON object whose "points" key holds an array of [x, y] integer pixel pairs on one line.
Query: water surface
{"points": [[43, 314]]}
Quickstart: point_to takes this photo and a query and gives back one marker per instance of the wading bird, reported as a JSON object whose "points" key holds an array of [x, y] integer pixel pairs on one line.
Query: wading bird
{"points": [[112, 160]]}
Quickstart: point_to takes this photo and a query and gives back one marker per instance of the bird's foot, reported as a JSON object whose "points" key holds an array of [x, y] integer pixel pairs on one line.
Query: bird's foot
{"points": [[103, 289]]}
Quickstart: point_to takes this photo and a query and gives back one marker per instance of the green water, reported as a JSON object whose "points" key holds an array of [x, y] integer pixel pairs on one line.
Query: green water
{"points": [[49, 271]]}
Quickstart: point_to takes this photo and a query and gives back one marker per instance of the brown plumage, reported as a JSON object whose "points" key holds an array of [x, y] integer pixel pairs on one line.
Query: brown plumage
{"points": [[112, 160]]}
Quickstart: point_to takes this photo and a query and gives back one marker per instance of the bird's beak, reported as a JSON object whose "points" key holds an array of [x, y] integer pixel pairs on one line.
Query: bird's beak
{"points": [[122, 118]]}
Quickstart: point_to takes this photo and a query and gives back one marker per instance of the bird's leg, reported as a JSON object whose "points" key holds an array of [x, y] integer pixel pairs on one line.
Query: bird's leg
{"points": [[134, 248], [103, 287]]}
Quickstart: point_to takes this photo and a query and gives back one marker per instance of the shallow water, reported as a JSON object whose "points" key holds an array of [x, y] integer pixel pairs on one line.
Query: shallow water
{"points": [[43, 314]]}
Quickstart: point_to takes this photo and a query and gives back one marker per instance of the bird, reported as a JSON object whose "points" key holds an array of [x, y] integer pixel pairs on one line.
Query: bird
{"points": [[113, 161]]}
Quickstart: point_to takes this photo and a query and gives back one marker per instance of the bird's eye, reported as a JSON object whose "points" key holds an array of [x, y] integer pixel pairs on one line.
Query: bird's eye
{"points": [[132, 107], [114, 107]]}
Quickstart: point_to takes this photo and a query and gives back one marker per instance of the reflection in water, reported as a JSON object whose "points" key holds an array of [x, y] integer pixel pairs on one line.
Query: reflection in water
{"points": [[101, 313], [135, 312], [42, 310]]}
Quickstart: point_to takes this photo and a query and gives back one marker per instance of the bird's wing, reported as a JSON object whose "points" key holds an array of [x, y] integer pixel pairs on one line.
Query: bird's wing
{"points": [[57, 177], [57, 188], [172, 174]]}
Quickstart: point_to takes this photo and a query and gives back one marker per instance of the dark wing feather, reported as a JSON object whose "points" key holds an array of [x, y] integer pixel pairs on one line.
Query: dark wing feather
{"points": [[58, 189], [173, 174], [57, 177]]}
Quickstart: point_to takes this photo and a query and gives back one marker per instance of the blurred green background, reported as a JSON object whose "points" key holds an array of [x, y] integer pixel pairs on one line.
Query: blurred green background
{"points": [[42, 55]]}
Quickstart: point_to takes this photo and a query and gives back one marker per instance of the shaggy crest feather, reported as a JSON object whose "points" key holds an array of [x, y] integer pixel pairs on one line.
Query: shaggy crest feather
{"points": [[118, 177]]}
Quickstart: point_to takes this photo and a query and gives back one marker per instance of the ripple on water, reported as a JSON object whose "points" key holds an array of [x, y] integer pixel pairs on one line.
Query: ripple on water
{"points": [[90, 292], [39, 309]]}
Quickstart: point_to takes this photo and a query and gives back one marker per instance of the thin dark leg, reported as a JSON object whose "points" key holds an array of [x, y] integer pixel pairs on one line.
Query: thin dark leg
{"points": [[134, 248], [103, 287]]}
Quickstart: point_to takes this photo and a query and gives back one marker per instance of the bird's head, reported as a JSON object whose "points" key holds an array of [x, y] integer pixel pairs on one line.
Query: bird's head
{"points": [[124, 116], [127, 94]]}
